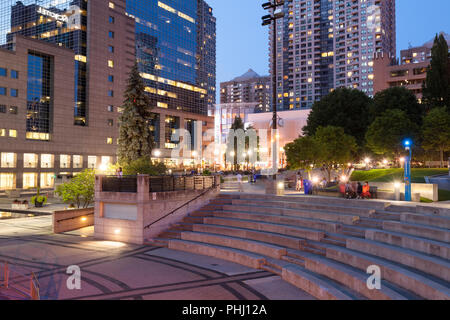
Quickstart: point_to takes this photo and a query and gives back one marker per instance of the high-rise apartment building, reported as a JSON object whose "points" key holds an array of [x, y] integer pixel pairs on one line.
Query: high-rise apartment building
{"points": [[326, 44], [248, 88], [61, 107]]}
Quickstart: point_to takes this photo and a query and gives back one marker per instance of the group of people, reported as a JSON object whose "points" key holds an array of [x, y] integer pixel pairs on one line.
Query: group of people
{"points": [[361, 192]]}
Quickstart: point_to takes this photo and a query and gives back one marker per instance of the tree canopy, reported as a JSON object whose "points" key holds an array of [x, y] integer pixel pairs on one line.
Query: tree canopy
{"points": [[135, 140], [330, 146], [386, 134], [436, 132], [345, 108], [80, 190], [397, 98], [436, 91]]}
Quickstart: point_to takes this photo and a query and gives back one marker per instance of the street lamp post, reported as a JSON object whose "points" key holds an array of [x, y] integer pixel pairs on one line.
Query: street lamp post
{"points": [[408, 194], [267, 20]]}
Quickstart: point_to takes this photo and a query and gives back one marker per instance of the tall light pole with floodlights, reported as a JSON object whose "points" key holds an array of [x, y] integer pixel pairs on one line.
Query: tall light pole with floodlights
{"points": [[408, 147], [267, 20]]}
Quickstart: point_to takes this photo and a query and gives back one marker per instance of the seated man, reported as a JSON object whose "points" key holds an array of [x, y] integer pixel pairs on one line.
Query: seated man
{"points": [[366, 191]]}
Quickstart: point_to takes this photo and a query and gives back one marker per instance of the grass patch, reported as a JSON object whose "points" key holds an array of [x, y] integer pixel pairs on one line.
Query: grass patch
{"points": [[444, 195], [389, 175], [425, 200]]}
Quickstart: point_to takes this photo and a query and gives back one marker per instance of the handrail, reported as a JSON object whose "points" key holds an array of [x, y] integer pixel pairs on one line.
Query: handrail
{"points": [[84, 215], [173, 211], [9, 274]]}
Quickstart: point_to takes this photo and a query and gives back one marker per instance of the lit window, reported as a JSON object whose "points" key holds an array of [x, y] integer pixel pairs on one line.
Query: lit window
{"points": [[47, 179], [77, 162], [111, 5], [13, 133], [162, 105], [109, 140], [8, 160], [29, 180], [110, 63], [47, 160], [7, 181], [92, 162], [13, 110], [64, 161], [30, 160], [2, 132]]}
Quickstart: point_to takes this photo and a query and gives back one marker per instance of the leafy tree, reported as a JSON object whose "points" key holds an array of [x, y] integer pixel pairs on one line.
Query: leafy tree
{"points": [[302, 153], [345, 108], [397, 98], [436, 132], [144, 166], [80, 190], [436, 90], [329, 147], [386, 134], [135, 140], [336, 147]]}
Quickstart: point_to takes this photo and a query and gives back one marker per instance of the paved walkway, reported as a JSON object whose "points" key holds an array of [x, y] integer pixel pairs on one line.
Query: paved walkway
{"points": [[112, 270]]}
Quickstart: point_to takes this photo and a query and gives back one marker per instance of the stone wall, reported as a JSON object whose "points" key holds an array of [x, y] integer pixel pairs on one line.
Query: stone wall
{"points": [[68, 220], [148, 213]]}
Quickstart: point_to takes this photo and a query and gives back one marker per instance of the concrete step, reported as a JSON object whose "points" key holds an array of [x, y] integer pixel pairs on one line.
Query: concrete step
{"points": [[268, 250], [425, 219], [181, 226], [387, 215], [304, 233], [175, 234], [427, 246], [288, 220], [418, 230], [349, 277], [378, 205], [333, 241], [193, 219], [313, 284], [275, 266], [263, 236], [287, 204], [434, 210], [245, 258], [399, 275], [292, 260], [370, 223], [437, 267], [313, 214], [157, 242], [401, 208]]}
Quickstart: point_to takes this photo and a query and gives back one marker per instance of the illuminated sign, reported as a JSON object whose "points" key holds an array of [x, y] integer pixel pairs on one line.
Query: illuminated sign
{"points": [[56, 16]]}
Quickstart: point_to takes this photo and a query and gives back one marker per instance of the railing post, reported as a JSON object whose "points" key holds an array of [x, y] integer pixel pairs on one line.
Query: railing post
{"points": [[6, 275]]}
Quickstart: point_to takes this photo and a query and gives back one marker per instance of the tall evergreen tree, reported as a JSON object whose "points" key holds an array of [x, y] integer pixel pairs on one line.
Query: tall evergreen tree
{"points": [[436, 90], [135, 140]]}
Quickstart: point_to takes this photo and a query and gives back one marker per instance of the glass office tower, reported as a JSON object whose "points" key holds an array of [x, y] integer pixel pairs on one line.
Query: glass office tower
{"points": [[62, 22]]}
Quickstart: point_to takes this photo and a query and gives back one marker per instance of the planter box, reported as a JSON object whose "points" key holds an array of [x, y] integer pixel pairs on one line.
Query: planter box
{"points": [[19, 206]]}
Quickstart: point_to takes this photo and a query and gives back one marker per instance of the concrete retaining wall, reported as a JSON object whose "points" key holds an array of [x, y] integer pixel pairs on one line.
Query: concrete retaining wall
{"points": [[429, 191], [148, 208], [68, 220]]}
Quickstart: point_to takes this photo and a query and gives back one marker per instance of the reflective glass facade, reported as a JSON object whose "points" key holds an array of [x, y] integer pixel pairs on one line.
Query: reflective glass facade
{"points": [[61, 22], [39, 96], [172, 50]]}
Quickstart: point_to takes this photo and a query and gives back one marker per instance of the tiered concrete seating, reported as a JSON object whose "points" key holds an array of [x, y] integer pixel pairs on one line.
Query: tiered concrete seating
{"points": [[324, 245]]}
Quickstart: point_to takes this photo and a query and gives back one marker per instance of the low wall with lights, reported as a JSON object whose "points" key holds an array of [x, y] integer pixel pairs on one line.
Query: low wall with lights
{"points": [[134, 217], [68, 220], [429, 191]]}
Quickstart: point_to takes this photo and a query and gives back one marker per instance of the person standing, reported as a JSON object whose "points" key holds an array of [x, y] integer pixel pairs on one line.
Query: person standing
{"points": [[239, 180]]}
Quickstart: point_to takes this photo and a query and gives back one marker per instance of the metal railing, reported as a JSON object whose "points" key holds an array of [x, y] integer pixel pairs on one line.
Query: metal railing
{"points": [[27, 286], [158, 184], [122, 184]]}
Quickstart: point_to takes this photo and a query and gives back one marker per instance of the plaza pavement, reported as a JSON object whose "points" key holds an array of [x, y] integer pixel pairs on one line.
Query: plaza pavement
{"points": [[111, 270]]}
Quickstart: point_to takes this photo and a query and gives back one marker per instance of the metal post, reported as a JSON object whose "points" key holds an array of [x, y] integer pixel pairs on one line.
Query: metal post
{"points": [[274, 97], [408, 193]]}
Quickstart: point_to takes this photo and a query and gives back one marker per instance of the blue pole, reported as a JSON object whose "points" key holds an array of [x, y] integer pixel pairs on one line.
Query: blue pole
{"points": [[408, 193]]}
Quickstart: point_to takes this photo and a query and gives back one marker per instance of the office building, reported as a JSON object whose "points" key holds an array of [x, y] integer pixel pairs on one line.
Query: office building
{"points": [[61, 113]]}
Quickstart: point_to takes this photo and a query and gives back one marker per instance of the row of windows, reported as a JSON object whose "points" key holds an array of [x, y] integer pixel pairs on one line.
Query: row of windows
{"points": [[12, 92], [11, 133], [29, 180], [6, 109], [47, 161], [14, 74]]}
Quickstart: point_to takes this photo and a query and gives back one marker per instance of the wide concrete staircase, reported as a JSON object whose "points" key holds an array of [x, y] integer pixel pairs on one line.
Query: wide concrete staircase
{"points": [[324, 246]]}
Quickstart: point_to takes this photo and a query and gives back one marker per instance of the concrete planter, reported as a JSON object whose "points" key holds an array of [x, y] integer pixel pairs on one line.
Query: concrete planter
{"points": [[17, 206]]}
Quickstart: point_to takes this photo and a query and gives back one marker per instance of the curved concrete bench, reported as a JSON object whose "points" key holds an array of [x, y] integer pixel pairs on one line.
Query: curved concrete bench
{"points": [[303, 233], [247, 259], [418, 230], [425, 219], [268, 237], [437, 267], [315, 214], [431, 247], [359, 211], [404, 278], [257, 247]]}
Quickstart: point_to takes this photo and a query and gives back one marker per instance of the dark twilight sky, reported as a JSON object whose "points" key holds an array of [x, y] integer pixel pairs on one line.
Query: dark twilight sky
{"points": [[242, 42]]}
